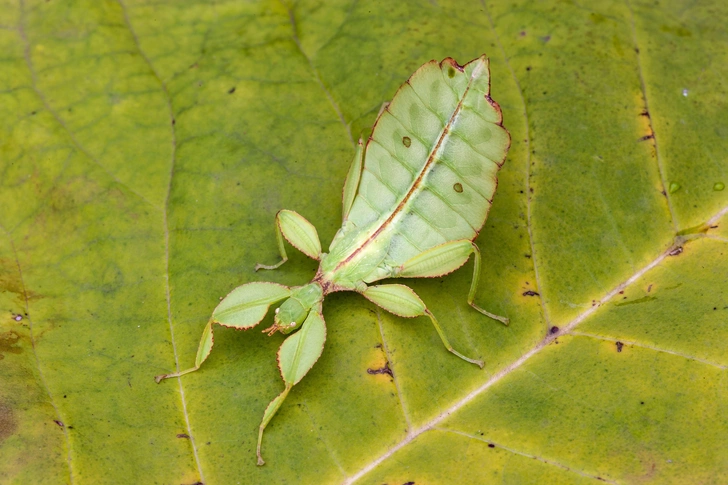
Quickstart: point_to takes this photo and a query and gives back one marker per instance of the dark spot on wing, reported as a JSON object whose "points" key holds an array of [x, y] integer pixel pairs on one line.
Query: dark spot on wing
{"points": [[451, 71], [406, 141], [458, 187]]}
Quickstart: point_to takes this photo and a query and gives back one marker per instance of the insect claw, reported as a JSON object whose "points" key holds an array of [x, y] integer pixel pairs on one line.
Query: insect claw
{"points": [[272, 329]]}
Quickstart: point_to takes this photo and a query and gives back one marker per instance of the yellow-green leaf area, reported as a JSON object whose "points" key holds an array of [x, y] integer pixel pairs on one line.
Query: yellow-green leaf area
{"points": [[145, 149]]}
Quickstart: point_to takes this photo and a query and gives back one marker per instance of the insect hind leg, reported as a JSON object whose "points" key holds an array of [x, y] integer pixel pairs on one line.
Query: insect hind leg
{"points": [[445, 259]]}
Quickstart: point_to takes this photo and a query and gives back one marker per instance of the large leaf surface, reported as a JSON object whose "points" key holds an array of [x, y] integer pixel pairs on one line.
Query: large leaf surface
{"points": [[145, 148]]}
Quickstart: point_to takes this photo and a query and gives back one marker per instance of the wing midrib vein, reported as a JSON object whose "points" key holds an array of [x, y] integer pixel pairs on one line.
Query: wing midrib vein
{"points": [[418, 181]]}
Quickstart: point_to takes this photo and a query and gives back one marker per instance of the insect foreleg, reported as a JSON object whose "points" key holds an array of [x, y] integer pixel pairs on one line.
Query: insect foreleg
{"points": [[300, 233], [242, 308], [296, 356], [403, 301], [444, 259]]}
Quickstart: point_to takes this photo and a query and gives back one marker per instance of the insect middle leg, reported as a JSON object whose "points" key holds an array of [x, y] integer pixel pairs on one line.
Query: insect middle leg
{"points": [[404, 302], [444, 259]]}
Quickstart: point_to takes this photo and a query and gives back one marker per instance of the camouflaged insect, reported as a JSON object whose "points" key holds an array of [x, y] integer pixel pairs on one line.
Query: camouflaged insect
{"points": [[415, 197]]}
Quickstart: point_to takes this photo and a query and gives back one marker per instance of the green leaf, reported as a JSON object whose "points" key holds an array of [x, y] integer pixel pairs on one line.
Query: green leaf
{"points": [[145, 149]]}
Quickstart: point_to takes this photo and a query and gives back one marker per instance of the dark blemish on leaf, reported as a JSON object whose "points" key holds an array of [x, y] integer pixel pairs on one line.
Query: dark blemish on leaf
{"points": [[619, 346], [647, 137], [458, 187], [645, 113], [644, 299], [530, 293], [554, 330], [231, 90], [183, 435], [451, 71], [409, 483], [530, 190], [8, 425], [383, 370], [523, 33], [18, 318], [174, 121], [621, 292], [528, 256], [32, 113], [59, 423], [8, 342], [649, 288], [679, 31], [642, 402], [491, 445], [406, 141], [546, 38], [675, 251], [528, 68], [378, 346]]}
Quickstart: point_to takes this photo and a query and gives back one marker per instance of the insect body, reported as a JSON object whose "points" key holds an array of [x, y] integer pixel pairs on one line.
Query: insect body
{"points": [[414, 200]]}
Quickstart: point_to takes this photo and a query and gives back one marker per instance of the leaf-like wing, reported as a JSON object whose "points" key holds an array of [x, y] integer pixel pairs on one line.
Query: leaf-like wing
{"points": [[431, 164]]}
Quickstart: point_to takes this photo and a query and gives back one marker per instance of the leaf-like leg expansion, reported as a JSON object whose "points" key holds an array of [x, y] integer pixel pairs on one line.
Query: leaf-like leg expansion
{"points": [[444, 259], [270, 411], [351, 185], [300, 233], [404, 302], [296, 356], [242, 308]]}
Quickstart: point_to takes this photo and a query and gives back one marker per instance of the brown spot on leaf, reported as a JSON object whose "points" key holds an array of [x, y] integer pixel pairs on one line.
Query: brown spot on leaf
{"points": [[619, 346], [8, 425], [554, 330], [491, 445], [183, 436], [675, 251], [231, 90], [9, 343], [383, 370], [530, 293]]}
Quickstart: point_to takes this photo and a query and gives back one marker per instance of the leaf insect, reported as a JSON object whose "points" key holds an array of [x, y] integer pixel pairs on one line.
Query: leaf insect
{"points": [[415, 198]]}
